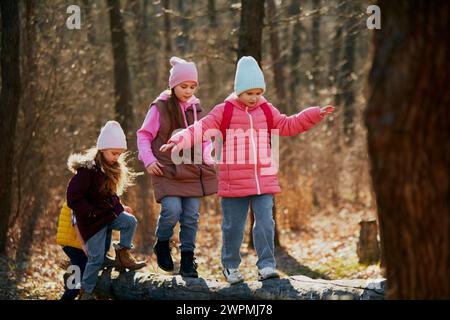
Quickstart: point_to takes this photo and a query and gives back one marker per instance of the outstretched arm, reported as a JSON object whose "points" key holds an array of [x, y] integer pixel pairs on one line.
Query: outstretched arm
{"points": [[300, 122]]}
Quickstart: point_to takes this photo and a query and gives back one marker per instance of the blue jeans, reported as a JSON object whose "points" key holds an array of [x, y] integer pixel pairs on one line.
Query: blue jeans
{"points": [[126, 223], [78, 258], [234, 218], [184, 210]]}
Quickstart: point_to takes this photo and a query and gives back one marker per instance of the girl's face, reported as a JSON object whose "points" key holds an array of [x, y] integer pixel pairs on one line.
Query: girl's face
{"points": [[185, 90], [251, 97], [112, 155]]}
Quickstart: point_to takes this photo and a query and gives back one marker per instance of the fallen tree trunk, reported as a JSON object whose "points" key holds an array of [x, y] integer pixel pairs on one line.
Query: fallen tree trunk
{"points": [[152, 286]]}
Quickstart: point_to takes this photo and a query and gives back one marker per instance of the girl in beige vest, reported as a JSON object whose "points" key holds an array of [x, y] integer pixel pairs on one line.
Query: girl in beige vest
{"points": [[177, 187]]}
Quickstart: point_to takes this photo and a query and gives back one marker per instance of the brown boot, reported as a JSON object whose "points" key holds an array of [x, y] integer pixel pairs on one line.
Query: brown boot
{"points": [[124, 259]]}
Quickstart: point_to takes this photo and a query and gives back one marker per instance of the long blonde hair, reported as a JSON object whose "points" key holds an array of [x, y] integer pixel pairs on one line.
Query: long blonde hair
{"points": [[119, 176]]}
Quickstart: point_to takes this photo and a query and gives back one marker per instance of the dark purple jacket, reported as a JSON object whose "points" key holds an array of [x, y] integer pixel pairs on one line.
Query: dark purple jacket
{"points": [[93, 210]]}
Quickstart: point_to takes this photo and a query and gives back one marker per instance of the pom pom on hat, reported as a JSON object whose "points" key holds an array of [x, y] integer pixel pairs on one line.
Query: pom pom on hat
{"points": [[111, 137], [181, 71]]}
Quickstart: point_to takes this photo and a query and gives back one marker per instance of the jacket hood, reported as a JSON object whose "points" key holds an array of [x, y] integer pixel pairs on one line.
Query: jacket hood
{"points": [[82, 160]]}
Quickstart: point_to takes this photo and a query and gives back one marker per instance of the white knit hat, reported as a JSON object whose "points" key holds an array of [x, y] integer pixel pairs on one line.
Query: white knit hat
{"points": [[111, 137]]}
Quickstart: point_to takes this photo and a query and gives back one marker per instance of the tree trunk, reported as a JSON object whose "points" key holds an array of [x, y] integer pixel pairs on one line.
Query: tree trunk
{"points": [[212, 16], [122, 87], [167, 32], [29, 158], [408, 120], [296, 51], [250, 30], [368, 249], [87, 6], [346, 84], [9, 106], [315, 52], [182, 40], [335, 57], [277, 60], [146, 65], [152, 286], [211, 64]]}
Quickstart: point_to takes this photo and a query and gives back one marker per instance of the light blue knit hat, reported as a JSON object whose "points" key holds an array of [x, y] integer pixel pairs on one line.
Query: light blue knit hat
{"points": [[248, 76]]}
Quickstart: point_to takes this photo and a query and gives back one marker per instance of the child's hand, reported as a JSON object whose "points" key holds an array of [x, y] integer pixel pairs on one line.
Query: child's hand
{"points": [[154, 168], [168, 146], [127, 209], [326, 111]]}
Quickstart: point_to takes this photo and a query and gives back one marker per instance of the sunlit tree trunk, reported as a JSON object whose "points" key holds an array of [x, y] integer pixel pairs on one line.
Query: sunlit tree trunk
{"points": [[408, 120]]}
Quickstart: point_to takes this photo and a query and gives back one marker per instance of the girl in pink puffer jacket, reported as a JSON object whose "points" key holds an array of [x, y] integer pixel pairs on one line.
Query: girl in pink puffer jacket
{"points": [[247, 166]]}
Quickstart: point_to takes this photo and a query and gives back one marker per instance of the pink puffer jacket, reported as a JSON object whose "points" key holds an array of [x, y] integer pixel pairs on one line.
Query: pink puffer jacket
{"points": [[244, 176]]}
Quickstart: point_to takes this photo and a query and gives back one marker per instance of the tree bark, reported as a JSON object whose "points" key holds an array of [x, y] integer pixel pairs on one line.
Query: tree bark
{"points": [[151, 286], [277, 60], [296, 52], [335, 57], [167, 31], [145, 66], [315, 39], [183, 39], [346, 82], [122, 85], [408, 121], [368, 249], [91, 34], [250, 30], [212, 73], [212, 16], [9, 106]]}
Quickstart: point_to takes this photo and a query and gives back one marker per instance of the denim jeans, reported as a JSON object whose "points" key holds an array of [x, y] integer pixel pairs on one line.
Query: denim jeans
{"points": [[78, 258], [126, 223], [184, 210], [234, 217]]}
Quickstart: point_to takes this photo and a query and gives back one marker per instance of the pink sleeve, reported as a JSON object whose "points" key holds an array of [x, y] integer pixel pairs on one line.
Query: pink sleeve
{"points": [[297, 123], [145, 136], [207, 126], [207, 149]]}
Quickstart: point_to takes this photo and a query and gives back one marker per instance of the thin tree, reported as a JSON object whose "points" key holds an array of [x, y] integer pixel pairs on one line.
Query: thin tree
{"points": [[122, 86], [315, 42], [167, 32], [277, 61], [250, 29], [146, 64], [294, 10], [9, 106], [408, 121], [346, 91]]}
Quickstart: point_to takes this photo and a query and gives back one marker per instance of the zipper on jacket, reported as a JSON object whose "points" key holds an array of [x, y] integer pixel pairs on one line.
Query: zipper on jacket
{"points": [[254, 150]]}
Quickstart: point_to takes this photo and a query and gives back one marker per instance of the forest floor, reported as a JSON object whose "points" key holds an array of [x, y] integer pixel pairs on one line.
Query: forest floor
{"points": [[325, 248]]}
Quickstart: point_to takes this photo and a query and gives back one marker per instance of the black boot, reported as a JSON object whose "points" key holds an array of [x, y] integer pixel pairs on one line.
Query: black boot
{"points": [[188, 267], [162, 251]]}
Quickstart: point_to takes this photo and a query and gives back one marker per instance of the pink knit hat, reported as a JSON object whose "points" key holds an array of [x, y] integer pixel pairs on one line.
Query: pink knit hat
{"points": [[111, 137], [182, 71]]}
